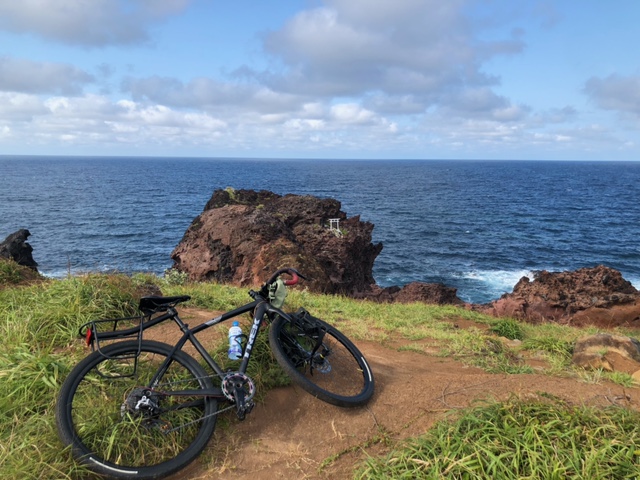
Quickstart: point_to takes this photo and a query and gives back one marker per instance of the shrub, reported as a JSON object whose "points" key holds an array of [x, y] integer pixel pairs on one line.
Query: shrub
{"points": [[508, 328]]}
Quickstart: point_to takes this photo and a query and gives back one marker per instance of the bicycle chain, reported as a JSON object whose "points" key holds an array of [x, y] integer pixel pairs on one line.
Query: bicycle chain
{"points": [[217, 412]]}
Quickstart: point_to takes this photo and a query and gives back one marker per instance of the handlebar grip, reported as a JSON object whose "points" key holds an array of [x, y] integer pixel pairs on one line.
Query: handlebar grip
{"points": [[296, 276], [293, 280]]}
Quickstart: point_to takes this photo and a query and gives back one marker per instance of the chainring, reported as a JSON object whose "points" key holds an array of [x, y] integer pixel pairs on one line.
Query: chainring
{"points": [[234, 380]]}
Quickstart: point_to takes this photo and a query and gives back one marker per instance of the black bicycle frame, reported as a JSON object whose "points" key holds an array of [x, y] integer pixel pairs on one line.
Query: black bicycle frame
{"points": [[259, 306]]}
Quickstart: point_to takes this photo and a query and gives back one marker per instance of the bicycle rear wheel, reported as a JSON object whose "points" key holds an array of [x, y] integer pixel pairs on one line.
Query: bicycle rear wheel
{"points": [[118, 427], [322, 360]]}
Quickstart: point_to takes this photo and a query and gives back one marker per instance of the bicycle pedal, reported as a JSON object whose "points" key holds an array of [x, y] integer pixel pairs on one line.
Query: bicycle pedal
{"points": [[242, 411]]}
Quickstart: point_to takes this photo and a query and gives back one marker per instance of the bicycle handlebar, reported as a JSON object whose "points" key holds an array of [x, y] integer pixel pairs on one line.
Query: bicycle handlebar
{"points": [[295, 276]]}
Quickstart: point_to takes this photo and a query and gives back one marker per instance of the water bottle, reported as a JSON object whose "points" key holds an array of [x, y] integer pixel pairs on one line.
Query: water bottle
{"points": [[235, 339]]}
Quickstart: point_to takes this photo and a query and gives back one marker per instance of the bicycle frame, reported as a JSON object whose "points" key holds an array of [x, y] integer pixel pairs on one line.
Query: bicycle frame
{"points": [[261, 308]]}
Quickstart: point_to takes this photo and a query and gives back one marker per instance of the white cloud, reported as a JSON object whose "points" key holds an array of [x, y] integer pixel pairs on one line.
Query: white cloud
{"points": [[208, 94], [20, 107], [405, 47], [87, 22], [352, 113], [304, 124], [19, 75], [615, 92], [346, 76]]}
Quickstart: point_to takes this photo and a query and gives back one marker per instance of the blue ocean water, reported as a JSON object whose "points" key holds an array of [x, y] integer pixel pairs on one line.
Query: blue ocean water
{"points": [[478, 226]]}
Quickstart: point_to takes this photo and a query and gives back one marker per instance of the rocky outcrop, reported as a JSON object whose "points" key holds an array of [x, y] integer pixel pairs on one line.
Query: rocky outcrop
{"points": [[242, 236], [588, 296], [16, 248], [607, 352]]}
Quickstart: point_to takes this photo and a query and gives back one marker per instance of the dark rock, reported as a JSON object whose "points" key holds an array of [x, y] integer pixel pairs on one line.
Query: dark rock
{"points": [[243, 236], [588, 296], [428, 293], [16, 248]]}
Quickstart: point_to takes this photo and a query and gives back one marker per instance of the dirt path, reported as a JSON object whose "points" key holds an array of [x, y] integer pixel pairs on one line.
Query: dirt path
{"points": [[293, 435]]}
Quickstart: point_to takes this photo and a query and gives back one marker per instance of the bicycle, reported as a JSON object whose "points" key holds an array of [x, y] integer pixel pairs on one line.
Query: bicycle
{"points": [[138, 407]]}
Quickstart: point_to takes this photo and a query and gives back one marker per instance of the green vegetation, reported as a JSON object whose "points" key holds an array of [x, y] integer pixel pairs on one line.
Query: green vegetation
{"points": [[515, 440], [39, 344], [13, 274], [508, 328], [38, 347]]}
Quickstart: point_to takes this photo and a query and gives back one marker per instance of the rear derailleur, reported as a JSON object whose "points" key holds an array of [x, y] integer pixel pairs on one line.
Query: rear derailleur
{"points": [[143, 403]]}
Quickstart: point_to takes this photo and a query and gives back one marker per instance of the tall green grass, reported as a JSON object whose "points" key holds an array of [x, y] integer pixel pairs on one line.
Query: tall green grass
{"points": [[519, 440], [38, 347]]}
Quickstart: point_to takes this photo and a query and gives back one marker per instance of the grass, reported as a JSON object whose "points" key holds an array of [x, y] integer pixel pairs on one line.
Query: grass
{"points": [[38, 330], [508, 328], [39, 321], [13, 274], [519, 439]]}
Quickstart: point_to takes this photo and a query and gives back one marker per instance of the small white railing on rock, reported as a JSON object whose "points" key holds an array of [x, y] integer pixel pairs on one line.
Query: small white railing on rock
{"points": [[334, 226]]}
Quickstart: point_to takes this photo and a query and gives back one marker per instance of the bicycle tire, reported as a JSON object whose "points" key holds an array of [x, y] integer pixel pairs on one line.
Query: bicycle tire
{"points": [[336, 373], [93, 417]]}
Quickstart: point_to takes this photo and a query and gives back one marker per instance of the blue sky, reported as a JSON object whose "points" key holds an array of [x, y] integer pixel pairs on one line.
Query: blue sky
{"points": [[455, 79]]}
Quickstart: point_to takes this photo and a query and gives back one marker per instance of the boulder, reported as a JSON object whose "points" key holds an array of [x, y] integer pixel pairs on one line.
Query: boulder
{"points": [[608, 352], [16, 248], [243, 236], [588, 296]]}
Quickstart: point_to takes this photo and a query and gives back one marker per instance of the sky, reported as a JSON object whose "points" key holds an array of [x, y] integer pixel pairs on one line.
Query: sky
{"points": [[392, 79]]}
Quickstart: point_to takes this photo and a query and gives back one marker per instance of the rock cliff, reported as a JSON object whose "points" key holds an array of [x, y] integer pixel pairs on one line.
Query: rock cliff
{"points": [[242, 236]]}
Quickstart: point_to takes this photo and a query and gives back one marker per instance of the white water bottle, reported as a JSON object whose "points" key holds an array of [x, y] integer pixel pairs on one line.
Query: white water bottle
{"points": [[235, 339]]}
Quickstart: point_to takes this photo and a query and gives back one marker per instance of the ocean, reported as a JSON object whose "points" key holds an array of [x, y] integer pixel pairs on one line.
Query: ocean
{"points": [[478, 226]]}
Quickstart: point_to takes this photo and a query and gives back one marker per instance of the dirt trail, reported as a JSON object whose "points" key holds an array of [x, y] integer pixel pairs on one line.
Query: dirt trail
{"points": [[293, 435]]}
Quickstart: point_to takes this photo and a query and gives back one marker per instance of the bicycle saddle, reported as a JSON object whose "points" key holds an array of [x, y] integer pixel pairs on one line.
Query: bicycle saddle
{"points": [[155, 303]]}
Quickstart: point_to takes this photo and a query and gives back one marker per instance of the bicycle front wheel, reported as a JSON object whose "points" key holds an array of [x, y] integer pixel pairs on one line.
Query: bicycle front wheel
{"points": [[322, 360], [119, 427]]}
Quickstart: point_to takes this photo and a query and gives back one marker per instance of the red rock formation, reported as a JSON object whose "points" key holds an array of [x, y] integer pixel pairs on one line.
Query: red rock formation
{"points": [[588, 296], [608, 352], [243, 236]]}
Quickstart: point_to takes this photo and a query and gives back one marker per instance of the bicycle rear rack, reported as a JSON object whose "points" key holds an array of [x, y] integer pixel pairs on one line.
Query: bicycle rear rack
{"points": [[99, 333]]}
